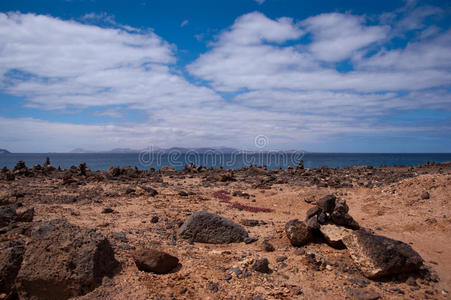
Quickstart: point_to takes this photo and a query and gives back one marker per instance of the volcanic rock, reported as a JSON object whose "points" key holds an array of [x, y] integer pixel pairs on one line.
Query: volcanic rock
{"points": [[298, 232], [378, 256], [313, 223], [63, 261], [11, 255], [327, 203], [7, 215], [155, 261], [313, 212], [334, 234], [25, 215], [206, 227], [261, 265], [344, 219], [425, 196]]}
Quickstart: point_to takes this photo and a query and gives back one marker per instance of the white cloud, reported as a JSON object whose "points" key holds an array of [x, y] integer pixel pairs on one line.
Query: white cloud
{"points": [[184, 23], [282, 86], [337, 36], [260, 1]]}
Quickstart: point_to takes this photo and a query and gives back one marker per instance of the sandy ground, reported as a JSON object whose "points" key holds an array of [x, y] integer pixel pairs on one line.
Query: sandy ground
{"points": [[395, 210]]}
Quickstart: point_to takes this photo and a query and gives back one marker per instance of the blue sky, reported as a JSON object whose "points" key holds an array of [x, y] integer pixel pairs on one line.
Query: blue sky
{"points": [[330, 76]]}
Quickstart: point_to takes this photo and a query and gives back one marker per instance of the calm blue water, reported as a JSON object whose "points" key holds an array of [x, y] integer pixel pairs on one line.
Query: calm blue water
{"points": [[101, 161]]}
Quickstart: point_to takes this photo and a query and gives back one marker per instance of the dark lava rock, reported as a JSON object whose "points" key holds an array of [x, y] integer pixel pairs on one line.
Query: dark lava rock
{"points": [[108, 210], [213, 286], [11, 255], [154, 219], [155, 261], [298, 232], [327, 203], [7, 215], [63, 261], [313, 212], [344, 219], [206, 227], [250, 240], [322, 218], [261, 265], [341, 207], [250, 223], [313, 223], [378, 256], [183, 194], [114, 171], [425, 196], [268, 247], [20, 165], [25, 216]]}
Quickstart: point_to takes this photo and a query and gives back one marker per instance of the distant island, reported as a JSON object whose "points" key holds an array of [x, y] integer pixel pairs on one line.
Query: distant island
{"points": [[4, 151], [158, 149]]}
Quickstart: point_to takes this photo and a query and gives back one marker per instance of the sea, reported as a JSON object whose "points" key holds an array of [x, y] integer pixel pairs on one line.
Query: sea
{"points": [[232, 160]]}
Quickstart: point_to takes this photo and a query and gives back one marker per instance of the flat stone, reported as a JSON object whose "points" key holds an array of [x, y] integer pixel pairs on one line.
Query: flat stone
{"points": [[378, 256], [334, 235]]}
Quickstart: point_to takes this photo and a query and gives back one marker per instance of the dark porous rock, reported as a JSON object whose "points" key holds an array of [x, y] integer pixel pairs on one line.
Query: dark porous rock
{"points": [[154, 219], [313, 223], [298, 233], [25, 215], [322, 218], [62, 261], [425, 196], [206, 227], [114, 171], [313, 212], [150, 191], [250, 223], [155, 261], [364, 294], [344, 219], [108, 210], [7, 215], [267, 246], [20, 165], [327, 203], [341, 207], [261, 265], [11, 254], [183, 194], [378, 256], [250, 240]]}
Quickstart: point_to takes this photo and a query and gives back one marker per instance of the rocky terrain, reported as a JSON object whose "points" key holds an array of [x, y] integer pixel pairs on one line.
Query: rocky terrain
{"points": [[351, 233]]}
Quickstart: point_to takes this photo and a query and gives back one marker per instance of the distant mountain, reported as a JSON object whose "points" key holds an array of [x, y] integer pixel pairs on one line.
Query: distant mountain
{"points": [[4, 151], [157, 149]]}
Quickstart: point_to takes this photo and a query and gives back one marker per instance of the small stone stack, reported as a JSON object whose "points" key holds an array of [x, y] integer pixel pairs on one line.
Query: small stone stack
{"points": [[329, 209], [376, 256]]}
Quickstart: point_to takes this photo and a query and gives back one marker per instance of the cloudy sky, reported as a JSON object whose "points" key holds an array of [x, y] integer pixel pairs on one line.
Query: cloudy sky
{"points": [[329, 76]]}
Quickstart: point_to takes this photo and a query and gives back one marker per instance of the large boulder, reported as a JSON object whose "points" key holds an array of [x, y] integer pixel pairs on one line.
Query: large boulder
{"points": [[155, 261], [206, 227], [379, 256], [298, 232], [11, 254], [63, 261]]}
